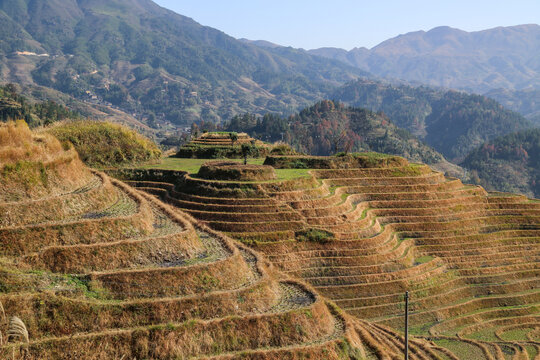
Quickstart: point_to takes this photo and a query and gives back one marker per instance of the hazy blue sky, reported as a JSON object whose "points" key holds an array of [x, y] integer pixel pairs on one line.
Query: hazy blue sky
{"points": [[348, 23]]}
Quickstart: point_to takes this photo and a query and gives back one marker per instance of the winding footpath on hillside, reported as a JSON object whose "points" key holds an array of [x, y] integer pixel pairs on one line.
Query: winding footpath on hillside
{"points": [[470, 259]]}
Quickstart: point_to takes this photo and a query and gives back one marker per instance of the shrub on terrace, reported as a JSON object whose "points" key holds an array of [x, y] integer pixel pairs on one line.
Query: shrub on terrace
{"points": [[314, 235]]}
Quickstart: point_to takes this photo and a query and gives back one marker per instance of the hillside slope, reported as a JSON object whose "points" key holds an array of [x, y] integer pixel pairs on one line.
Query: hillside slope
{"points": [[454, 123], [525, 102], [13, 106], [149, 60], [92, 269], [502, 57], [509, 163], [329, 127], [363, 229]]}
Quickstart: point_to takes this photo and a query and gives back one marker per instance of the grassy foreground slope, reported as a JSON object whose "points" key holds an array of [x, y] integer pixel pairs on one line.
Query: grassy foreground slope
{"points": [[364, 229], [93, 269]]}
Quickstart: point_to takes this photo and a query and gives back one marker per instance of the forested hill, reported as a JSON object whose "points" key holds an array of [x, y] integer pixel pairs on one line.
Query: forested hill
{"points": [[13, 106], [509, 163], [525, 102], [151, 61], [454, 123], [329, 127]]}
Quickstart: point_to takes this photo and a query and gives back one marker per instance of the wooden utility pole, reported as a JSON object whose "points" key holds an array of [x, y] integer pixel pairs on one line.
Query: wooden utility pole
{"points": [[406, 325]]}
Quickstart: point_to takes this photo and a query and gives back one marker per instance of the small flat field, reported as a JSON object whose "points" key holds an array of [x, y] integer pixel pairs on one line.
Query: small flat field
{"points": [[192, 166]]}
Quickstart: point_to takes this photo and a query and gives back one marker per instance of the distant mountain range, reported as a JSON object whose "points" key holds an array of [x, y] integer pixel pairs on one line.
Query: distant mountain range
{"points": [[480, 61], [502, 63], [154, 64]]}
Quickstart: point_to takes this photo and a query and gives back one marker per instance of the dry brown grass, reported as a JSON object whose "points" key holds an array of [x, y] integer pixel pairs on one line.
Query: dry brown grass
{"points": [[4, 320], [36, 165], [18, 143], [3, 312], [17, 330], [56, 208], [365, 269]]}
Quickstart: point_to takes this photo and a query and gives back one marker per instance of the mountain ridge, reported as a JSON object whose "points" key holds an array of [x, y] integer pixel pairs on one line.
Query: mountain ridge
{"points": [[476, 61], [150, 60]]}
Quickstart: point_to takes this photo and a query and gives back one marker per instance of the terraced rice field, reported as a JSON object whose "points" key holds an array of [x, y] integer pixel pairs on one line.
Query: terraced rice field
{"points": [[470, 259], [126, 276], [219, 144]]}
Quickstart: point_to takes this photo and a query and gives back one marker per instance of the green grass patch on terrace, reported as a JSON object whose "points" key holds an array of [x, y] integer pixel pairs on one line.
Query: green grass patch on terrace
{"points": [[27, 173], [314, 235], [516, 334], [461, 349], [288, 174], [501, 194], [370, 154], [220, 132], [483, 335], [423, 259], [412, 170], [421, 329], [531, 351], [192, 167]]}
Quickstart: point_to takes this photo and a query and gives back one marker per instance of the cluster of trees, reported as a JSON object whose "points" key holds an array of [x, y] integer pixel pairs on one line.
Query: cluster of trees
{"points": [[14, 106], [329, 127], [270, 127]]}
